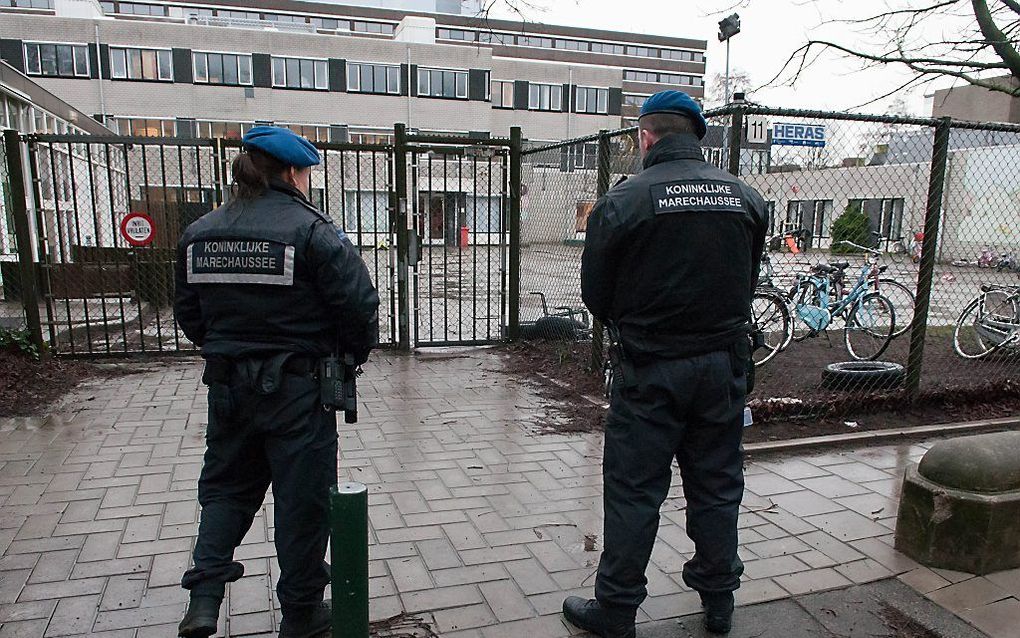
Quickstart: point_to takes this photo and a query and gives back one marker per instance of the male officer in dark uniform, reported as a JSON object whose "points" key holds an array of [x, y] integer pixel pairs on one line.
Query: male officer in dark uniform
{"points": [[267, 286], [670, 262]]}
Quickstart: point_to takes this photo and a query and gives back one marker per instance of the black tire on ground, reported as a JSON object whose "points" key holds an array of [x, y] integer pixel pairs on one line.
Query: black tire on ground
{"points": [[862, 375]]}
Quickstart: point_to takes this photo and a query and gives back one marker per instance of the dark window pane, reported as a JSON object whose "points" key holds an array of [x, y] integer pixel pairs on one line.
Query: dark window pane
{"points": [[436, 81], [134, 64], [307, 74], [32, 58], [165, 66], [461, 84], [118, 61], [230, 69], [366, 78], [393, 80], [201, 67], [293, 73], [380, 79], [48, 54], [215, 68]]}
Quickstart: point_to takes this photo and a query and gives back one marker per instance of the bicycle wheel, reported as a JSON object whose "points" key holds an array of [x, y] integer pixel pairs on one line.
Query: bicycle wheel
{"points": [[772, 318], [988, 322], [869, 327], [902, 299]]}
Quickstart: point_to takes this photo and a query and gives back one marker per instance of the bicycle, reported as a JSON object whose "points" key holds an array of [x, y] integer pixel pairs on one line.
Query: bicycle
{"points": [[770, 308], [899, 294], [990, 322], [869, 317]]}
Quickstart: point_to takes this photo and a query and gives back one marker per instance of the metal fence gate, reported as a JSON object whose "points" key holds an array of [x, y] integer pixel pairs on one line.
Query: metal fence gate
{"points": [[443, 259], [459, 235]]}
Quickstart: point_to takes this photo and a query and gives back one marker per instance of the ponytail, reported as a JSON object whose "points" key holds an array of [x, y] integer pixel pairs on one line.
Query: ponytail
{"points": [[251, 171]]}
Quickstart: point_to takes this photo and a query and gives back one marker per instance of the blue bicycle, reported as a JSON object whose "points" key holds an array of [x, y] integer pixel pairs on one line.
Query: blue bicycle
{"points": [[869, 317]]}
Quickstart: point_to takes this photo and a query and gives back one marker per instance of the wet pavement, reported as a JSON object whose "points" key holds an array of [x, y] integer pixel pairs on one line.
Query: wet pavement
{"points": [[479, 523]]}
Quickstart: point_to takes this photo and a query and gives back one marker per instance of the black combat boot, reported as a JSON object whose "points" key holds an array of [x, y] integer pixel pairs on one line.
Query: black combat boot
{"points": [[307, 622], [200, 621], [718, 611], [608, 622]]}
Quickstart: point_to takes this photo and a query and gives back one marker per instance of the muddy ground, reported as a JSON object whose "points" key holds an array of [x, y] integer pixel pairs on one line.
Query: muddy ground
{"points": [[789, 401]]}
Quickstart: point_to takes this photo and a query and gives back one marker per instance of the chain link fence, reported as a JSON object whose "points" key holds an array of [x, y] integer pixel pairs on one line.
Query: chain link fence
{"points": [[891, 270]]}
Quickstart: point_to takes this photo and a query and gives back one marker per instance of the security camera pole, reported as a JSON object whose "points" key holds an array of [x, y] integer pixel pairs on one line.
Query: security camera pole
{"points": [[728, 27]]}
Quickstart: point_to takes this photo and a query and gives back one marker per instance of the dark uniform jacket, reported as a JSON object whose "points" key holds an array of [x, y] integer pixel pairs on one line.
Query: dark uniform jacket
{"points": [[671, 255], [273, 275]]}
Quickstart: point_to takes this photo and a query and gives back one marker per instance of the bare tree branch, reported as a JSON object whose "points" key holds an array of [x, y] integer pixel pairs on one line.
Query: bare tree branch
{"points": [[991, 32]]}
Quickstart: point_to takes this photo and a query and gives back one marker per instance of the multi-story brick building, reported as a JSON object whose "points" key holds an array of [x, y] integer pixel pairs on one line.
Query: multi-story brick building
{"points": [[336, 72]]}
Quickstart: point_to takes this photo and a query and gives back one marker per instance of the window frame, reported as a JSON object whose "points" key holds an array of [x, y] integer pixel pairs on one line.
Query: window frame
{"points": [[127, 75], [319, 70], [600, 96], [355, 78], [446, 77], [241, 70], [71, 48], [536, 105], [503, 84]]}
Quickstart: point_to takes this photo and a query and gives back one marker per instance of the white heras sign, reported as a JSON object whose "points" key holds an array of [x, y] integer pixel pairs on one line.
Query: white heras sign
{"points": [[790, 134]]}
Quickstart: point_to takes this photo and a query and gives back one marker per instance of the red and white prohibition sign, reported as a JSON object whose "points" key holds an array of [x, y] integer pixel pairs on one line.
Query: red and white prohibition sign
{"points": [[138, 229]]}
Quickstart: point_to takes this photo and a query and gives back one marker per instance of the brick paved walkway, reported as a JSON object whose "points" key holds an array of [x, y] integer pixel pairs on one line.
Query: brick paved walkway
{"points": [[479, 523]]}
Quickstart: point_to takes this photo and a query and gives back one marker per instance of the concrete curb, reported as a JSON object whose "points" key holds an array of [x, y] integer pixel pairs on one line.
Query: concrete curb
{"points": [[883, 435]]}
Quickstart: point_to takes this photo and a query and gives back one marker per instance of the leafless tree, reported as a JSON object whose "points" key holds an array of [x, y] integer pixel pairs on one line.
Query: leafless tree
{"points": [[715, 91], [969, 40]]}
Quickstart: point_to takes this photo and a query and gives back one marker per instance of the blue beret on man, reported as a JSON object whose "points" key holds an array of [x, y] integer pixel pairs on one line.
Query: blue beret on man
{"points": [[679, 103], [283, 144]]}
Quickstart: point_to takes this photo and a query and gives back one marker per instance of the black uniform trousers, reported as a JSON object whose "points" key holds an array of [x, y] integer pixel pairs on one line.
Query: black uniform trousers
{"points": [[690, 409], [254, 439]]}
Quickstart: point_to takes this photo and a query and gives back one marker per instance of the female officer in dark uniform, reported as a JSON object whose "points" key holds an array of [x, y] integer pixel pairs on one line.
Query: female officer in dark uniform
{"points": [[267, 286]]}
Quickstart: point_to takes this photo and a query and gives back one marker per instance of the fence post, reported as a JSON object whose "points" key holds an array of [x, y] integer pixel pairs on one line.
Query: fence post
{"points": [[348, 514], [598, 346], [514, 302], [932, 218], [23, 233], [403, 238], [736, 137]]}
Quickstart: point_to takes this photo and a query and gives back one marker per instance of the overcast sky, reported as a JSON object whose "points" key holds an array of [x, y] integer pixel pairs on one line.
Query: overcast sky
{"points": [[771, 30]]}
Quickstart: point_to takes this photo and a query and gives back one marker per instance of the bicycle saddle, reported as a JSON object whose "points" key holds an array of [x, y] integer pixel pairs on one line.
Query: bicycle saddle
{"points": [[825, 269], [841, 265]]}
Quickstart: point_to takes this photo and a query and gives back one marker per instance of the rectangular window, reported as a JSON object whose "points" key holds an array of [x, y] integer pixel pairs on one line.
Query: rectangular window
{"points": [[372, 27], [592, 100], [222, 68], [380, 79], [134, 8], [455, 34], [644, 52], [603, 47], [442, 83], [631, 99], [128, 63], [488, 37], [572, 45], [57, 60], [330, 24], [545, 97], [502, 94], [297, 73], [237, 15], [534, 41]]}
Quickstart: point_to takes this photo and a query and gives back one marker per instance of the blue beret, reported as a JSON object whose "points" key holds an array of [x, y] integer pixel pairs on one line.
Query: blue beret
{"points": [[676, 102], [283, 144]]}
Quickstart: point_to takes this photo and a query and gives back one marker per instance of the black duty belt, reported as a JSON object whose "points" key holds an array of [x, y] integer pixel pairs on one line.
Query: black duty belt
{"points": [[218, 369]]}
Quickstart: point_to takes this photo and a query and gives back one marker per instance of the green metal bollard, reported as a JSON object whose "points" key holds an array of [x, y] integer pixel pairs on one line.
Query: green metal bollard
{"points": [[348, 521]]}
